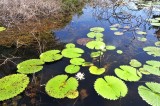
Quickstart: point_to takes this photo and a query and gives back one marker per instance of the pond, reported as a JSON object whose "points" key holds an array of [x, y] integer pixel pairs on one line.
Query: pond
{"points": [[114, 38]]}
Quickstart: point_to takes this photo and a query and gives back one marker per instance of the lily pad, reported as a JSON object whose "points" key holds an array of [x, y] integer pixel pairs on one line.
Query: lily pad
{"points": [[141, 32], [30, 66], [128, 73], [142, 39], [113, 29], [135, 63], [157, 43], [96, 71], [12, 85], [119, 51], [94, 34], [151, 50], [115, 25], [70, 45], [155, 24], [87, 64], [50, 56], [2, 29], [96, 54], [95, 45], [72, 52], [118, 33], [71, 69], [150, 93], [97, 29], [77, 61], [143, 71], [61, 86], [110, 47], [110, 87], [153, 63]]}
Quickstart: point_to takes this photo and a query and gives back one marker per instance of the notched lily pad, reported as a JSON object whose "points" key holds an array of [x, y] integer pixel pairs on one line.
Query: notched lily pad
{"points": [[2, 29], [61, 86], [96, 71], [151, 50], [135, 63], [97, 29], [71, 69], [94, 34], [72, 52], [110, 47], [95, 45], [96, 54], [12, 85], [30, 66], [51, 55], [118, 33], [77, 61], [141, 32], [70, 45], [157, 43], [110, 87]]}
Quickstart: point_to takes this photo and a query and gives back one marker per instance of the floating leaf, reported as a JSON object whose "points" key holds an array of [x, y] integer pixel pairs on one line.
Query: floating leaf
{"points": [[72, 94], [50, 56], [126, 27], [155, 24], [119, 51], [135, 63], [12, 85], [152, 70], [143, 71], [110, 87], [157, 43], [152, 20], [70, 45], [72, 52], [110, 47], [95, 44], [94, 34], [158, 18], [83, 41], [151, 93], [30, 66], [87, 64], [128, 73], [2, 29], [99, 39], [96, 54], [141, 32], [153, 63], [142, 39], [118, 33], [97, 29], [151, 50], [115, 25], [61, 86], [71, 69], [77, 61], [96, 71], [113, 29]]}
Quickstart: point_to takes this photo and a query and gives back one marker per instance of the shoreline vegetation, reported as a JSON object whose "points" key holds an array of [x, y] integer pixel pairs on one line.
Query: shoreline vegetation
{"points": [[30, 20]]}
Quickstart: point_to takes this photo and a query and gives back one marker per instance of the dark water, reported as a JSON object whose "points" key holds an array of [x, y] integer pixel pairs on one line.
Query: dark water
{"points": [[79, 26]]}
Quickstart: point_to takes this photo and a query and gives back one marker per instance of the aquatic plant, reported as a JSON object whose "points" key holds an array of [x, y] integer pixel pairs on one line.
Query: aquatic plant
{"points": [[70, 45], [141, 32], [142, 39], [2, 29], [95, 35], [150, 93], [79, 76], [96, 54], [110, 87], [62, 86], [51, 55], [110, 47], [12, 85], [128, 73], [118, 33], [157, 43], [151, 50], [113, 29], [77, 61], [95, 45], [30, 66], [135, 63], [71, 69], [96, 71], [97, 29], [119, 51]]}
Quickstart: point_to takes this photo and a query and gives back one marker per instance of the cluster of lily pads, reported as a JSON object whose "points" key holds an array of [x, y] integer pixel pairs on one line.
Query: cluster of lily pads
{"points": [[63, 86]]}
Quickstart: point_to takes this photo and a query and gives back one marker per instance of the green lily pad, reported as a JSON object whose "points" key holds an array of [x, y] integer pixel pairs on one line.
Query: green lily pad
{"points": [[12, 85], [61, 86], [99, 39], [96, 54], [70, 45], [158, 18], [87, 64], [71, 69], [113, 29], [77, 61], [143, 71], [151, 93], [2, 29], [153, 63], [153, 20], [95, 45], [110, 87], [97, 29], [142, 39], [72, 52], [151, 50], [135, 63], [94, 34], [155, 24], [141, 32], [128, 73], [96, 71], [50, 56], [110, 47], [119, 51], [157, 43], [115, 25], [30, 66], [118, 33]]}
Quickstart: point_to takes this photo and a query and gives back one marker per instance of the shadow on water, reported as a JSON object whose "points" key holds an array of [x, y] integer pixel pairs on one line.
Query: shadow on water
{"points": [[104, 15]]}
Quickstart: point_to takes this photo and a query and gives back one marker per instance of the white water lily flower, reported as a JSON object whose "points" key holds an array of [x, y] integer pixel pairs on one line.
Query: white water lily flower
{"points": [[80, 76]]}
